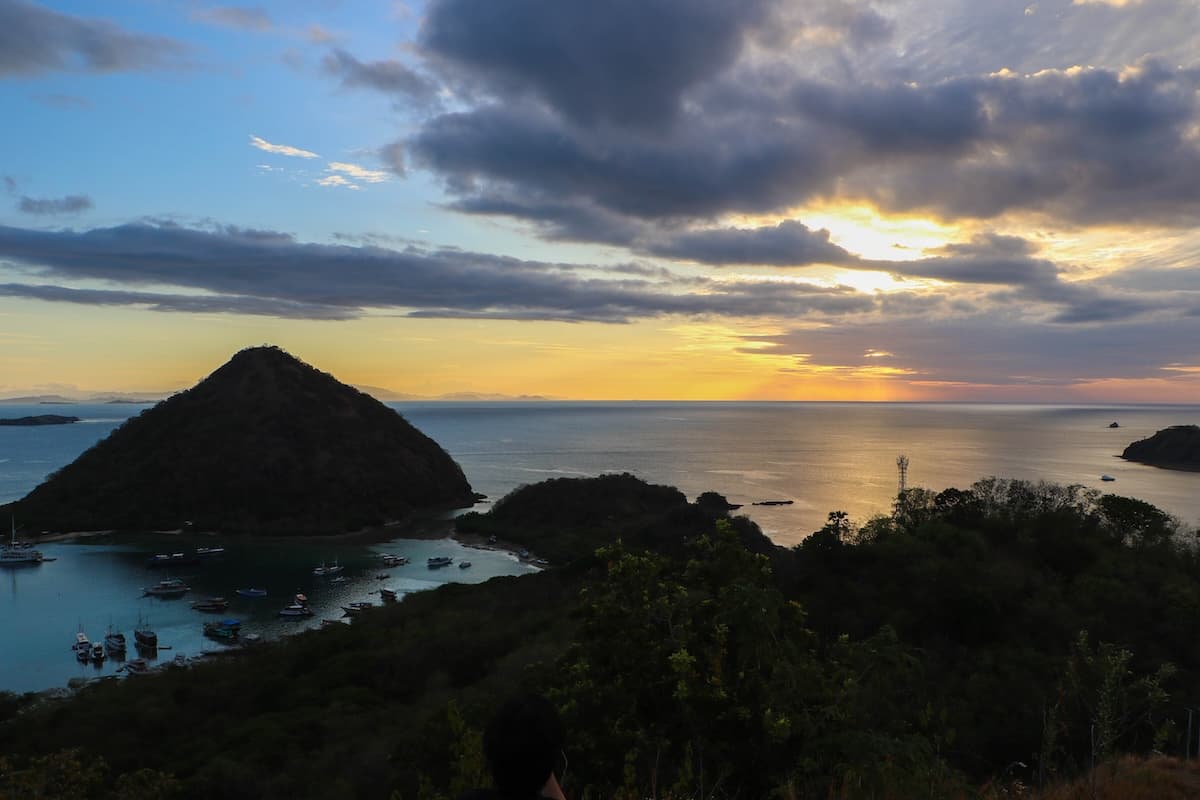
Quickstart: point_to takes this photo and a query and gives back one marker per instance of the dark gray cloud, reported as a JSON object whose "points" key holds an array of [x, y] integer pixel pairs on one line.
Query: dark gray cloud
{"points": [[1086, 145], [391, 77], [34, 40], [621, 61], [192, 304], [789, 244], [236, 17], [71, 204], [265, 270]]}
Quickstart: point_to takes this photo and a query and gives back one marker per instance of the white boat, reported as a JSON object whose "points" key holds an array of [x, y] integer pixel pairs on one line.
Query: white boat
{"points": [[324, 570], [464, 564], [438, 561], [298, 608], [22, 555], [82, 647]]}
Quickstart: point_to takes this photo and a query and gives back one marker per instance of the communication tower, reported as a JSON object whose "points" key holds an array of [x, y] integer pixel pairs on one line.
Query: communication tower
{"points": [[902, 467]]}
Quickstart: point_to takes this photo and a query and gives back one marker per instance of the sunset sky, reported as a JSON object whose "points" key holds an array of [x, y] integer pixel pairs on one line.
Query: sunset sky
{"points": [[629, 199]]}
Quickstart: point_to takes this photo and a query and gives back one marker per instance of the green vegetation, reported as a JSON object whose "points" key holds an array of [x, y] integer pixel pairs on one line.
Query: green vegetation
{"points": [[974, 641], [265, 444]]}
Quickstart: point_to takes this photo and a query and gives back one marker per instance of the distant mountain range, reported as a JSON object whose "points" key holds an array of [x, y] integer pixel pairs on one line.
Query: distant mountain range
{"points": [[379, 393]]}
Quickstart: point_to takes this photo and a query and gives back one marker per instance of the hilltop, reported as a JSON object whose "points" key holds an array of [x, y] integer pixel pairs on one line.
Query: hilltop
{"points": [[266, 443], [1177, 447]]}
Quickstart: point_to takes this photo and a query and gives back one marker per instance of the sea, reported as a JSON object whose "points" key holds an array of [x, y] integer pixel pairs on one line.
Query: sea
{"points": [[822, 457]]}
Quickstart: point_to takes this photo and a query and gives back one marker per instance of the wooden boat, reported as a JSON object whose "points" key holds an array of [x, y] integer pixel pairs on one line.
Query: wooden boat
{"points": [[137, 666], [226, 629], [212, 604], [144, 637], [388, 595], [114, 641]]}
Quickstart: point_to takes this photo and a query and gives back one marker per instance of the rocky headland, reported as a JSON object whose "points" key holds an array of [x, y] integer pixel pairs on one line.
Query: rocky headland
{"points": [[1177, 447]]}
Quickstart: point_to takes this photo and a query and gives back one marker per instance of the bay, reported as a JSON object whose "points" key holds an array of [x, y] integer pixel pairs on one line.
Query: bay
{"points": [[822, 456]]}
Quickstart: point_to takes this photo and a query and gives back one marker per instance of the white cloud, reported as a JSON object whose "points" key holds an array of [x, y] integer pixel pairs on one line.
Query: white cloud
{"points": [[337, 180], [361, 173], [281, 149]]}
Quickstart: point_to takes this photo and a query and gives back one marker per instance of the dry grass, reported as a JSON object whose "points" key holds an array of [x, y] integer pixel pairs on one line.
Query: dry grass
{"points": [[1130, 778]]}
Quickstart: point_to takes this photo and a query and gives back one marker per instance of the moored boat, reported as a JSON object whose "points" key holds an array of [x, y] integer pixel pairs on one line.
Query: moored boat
{"points": [[19, 555], [252, 592], [464, 564], [98, 653], [210, 551], [144, 636], [168, 587], [325, 570], [137, 666], [114, 641], [298, 608], [226, 629], [438, 561], [388, 595], [356, 608], [212, 604], [82, 647]]}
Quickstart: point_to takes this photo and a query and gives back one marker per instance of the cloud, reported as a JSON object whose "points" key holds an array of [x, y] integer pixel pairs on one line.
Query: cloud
{"points": [[337, 180], [358, 173], [621, 62], [36, 40], [244, 19], [268, 270], [790, 243], [281, 149], [71, 204], [390, 77], [750, 132]]}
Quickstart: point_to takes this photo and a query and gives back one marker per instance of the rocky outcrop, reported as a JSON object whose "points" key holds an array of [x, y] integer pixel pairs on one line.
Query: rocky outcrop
{"points": [[1177, 447], [266, 443]]}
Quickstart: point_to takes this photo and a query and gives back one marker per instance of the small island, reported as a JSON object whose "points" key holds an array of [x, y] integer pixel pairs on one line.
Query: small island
{"points": [[1177, 447], [40, 419]]}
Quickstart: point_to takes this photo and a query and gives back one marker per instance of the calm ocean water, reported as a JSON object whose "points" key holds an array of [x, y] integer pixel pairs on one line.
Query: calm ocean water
{"points": [[823, 456]]}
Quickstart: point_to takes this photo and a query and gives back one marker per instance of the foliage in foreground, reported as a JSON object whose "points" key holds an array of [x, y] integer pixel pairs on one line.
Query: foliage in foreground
{"points": [[1011, 632]]}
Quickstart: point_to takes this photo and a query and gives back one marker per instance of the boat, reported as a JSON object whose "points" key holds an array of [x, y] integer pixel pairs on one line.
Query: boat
{"points": [[98, 653], [168, 587], [339, 579], [388, 595], [252, 592], [137, 666], [144, 637], [212, 604], [226, 629], [1107, 478], [298, 608], [19, 555], [438, 561], [1113, 425], [171, 560], [325, 623], [210, 551], [356, 608], [464, 564], [390, 560], [114, 642], [324, 570], [82, 647]]}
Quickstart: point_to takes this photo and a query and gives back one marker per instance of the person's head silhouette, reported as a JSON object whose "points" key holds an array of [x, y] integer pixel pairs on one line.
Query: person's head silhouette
{"points": [[522, 743]]}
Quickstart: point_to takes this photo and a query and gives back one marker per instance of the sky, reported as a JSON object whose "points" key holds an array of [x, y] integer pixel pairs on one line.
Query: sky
{"points": [[894, 200]]}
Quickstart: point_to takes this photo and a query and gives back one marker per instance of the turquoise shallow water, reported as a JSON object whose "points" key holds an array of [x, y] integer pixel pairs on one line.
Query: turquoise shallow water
{"points": [[824, 456]]}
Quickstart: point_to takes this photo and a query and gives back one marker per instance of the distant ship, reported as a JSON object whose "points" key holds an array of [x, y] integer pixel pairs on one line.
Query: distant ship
{"points": [[14, 555]]}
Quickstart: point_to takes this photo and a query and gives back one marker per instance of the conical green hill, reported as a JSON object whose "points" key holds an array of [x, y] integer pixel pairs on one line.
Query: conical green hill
{"points": [[266, 444]]}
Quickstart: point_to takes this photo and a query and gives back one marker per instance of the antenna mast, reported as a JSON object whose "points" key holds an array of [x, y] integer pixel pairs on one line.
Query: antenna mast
{"points": [[902, 467]]}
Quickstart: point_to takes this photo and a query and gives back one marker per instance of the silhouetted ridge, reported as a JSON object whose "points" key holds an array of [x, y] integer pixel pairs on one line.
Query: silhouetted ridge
{"points": [[1177, 447], [264, 443]]}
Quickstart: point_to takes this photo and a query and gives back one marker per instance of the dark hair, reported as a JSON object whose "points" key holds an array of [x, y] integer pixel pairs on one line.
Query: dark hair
{"points": [[522, 743]]}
